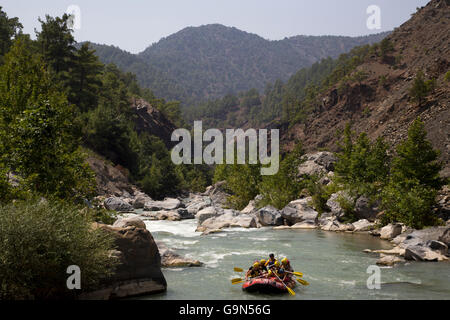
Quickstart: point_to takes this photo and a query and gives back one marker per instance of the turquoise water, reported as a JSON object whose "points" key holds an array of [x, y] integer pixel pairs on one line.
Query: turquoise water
{"points": [[333, 264]]}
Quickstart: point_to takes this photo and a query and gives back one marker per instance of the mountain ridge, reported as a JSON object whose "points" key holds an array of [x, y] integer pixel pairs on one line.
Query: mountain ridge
{"points": [[210, 61]]}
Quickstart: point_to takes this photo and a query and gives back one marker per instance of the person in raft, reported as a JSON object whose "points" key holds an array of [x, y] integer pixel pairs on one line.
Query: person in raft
{"points": [[254, 271], [262, 265], [269, 263], [286, 264]]}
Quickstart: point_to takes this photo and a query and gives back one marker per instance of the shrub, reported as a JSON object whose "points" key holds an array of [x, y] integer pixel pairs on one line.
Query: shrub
{"points": [[39, 240], [421, 88], [412, 206]]}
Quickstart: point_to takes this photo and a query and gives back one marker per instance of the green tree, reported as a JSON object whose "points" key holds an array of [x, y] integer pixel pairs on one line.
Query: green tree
{"points": [[362, 166], [10, 28], [416, 160], [421, 88], [280, 189], [411, 192], [38, 130], [85, 81], [57, 44]]}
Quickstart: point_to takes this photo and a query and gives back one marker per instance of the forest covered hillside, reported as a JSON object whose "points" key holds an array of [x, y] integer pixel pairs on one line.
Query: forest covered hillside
{"points": [[210, 61]]}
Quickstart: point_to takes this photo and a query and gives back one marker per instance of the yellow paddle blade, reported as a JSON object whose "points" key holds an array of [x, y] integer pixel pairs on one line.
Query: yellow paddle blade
{"points": [[238, 269], [291, 292], [236, 280], [298, 274], [303, 282]]}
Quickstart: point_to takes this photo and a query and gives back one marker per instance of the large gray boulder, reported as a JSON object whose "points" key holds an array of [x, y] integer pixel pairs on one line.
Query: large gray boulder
{"points": [[139, 269], [140, 200], [269, 216], [171, 259], [117, 204], [205, 214], [333, 203], [230, 219], [390, 231], [317, 163], [423, 253], [166, 204], [133, 221], [362, 225], [364, 209], [298, 211]]}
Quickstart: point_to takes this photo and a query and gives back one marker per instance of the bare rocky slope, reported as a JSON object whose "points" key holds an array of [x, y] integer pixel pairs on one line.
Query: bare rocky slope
{"points": [[380, 105]]}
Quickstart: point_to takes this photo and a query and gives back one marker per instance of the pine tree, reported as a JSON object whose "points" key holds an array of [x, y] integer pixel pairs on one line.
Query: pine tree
{"points": [[416, 161], [85, 82]]}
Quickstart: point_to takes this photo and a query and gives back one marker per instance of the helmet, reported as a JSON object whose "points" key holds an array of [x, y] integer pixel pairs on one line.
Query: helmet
{"points": [[263, 261], [270, 273], [277, 263], [256, 265], [271, 255], [285, 261], [281, 271]]}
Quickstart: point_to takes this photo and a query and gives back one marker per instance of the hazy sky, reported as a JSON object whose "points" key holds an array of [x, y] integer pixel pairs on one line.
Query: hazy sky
{"points": [[135, 24]]}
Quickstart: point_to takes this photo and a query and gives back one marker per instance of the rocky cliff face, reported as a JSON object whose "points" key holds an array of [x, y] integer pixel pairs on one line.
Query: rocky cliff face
{"points": [[380, 104], [151, 120]]}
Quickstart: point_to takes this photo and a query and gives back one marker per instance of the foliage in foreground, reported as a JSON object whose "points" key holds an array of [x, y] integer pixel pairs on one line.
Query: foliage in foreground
{"points": [[39, 240]]}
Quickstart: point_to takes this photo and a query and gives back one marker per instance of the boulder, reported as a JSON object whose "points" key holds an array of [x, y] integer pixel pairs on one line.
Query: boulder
{"points": [[195, 207], [140, 200], [334, 206], [229, 219], [133, 221], [364, 209], [437, 246], [307, 224], [251, 207], [139, 268], [390, 231], [167, 204], [420, 237], [185, 214], [362, 225], [269, 216], [162, 215], [317, 163], [298, 211], [335, 225], [171, 259], [388, 260], [117, 204], [422, 253], [445, 237], [205, 214], [217, 193]]}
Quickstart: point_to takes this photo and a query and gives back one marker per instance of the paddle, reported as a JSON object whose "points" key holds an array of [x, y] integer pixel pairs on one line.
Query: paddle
{"points": [[291, 292], [303, 282], [240, 280], [238, 269], [298, 274]]}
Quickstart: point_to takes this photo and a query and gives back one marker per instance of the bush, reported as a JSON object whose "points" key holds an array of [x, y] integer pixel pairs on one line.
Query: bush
{"points": [[421, 88], [39, 240], [412, 206], [280, 189]]}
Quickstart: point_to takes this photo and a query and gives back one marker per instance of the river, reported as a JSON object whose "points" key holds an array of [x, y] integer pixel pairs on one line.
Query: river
{"points": [[333, 263]]}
